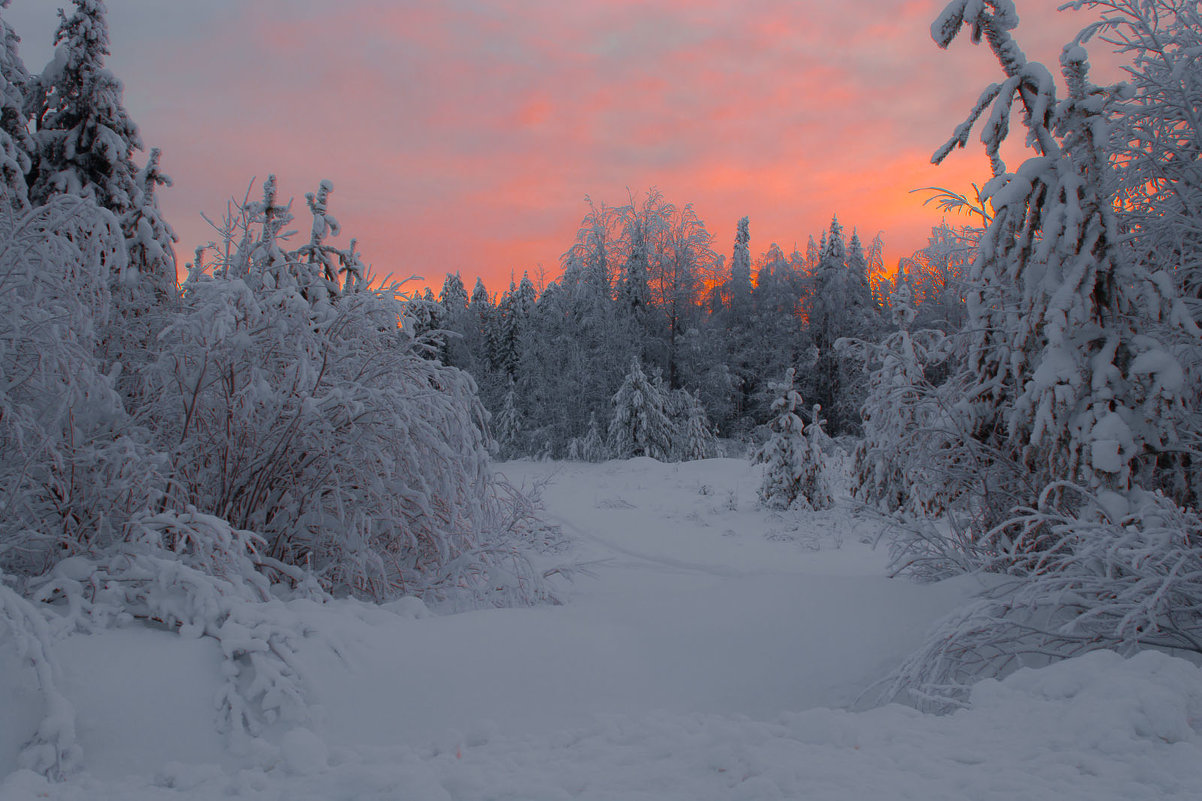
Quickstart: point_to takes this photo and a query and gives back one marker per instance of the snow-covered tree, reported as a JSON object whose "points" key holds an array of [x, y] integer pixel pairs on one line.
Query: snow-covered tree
{"points": [[773, 340], [838, 303], [1157, 141], [1073, 399], [640, 424], [1067, 384], [314, 419], [75, 470], [695, 437], [507, 426], [85, 138], [145, 291], [592, 447], [793, 464], [903, 421], [740, 271], [17, 146], [148, 236]]}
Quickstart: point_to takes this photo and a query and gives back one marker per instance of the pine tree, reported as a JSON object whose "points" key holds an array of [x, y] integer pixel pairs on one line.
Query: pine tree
{"points": [[793, 465]]}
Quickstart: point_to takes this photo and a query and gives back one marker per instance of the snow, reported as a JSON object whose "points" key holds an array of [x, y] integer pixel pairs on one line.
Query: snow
{"points": [[718, 653]]}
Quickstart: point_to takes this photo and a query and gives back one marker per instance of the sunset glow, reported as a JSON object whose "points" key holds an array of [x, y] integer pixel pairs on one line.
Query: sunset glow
{"points": [[464, 136]]}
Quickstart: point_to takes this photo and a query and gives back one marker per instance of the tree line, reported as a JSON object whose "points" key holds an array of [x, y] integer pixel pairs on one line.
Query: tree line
{"points": [[644, 282]]}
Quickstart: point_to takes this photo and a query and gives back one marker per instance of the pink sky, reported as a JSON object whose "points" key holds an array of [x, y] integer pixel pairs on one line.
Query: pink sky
{"points": [[464, 135]]}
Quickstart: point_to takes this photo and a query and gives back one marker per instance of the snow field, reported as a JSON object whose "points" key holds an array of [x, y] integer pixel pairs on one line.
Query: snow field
{"points": [[707, 659]]}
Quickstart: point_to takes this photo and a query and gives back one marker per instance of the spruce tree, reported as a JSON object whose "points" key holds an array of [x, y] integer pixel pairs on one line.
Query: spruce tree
{"points": [[793, 465], [85, 138], [640, 425], [838, 304], [695, 437], [1066, 380], [740, 272], [149, 237], [17, 146]]}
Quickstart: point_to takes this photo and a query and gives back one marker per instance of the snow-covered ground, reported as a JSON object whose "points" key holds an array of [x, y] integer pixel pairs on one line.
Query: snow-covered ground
{"points": [[710, 656]]}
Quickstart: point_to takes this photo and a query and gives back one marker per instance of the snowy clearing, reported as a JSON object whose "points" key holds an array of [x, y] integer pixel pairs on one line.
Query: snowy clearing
{"points": [[710, 657]]}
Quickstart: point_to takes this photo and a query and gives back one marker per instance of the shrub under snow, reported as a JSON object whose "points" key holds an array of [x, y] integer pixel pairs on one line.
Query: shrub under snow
{"points": [[295, 405]]}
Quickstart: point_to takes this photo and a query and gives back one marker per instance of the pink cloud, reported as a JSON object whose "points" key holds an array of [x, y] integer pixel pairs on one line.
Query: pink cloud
{"points": [[464, 135]]}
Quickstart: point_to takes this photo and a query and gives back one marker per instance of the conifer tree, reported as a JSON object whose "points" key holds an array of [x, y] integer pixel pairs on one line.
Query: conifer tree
{"points": [[17, 146], [85, 138], [640, 425], [740, 273], [838, 304], [453, 299], [149, 238], [793, 465], [695, 436], [1066, 381]]}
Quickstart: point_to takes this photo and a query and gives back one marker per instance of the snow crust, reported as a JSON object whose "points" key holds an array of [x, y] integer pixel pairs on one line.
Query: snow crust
{"points": [[715, 655]]}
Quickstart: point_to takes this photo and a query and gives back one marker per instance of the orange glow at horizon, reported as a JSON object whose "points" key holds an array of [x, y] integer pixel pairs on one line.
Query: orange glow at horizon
{"points": [[465, 137]]}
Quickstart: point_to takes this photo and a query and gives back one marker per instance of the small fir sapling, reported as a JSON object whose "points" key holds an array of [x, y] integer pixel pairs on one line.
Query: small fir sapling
{"points": [[695, 436], [893, 465], [793, 464], [592, 449], [640, 425]]}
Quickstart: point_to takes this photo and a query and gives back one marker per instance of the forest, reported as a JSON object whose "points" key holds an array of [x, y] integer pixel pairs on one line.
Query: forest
{"points": [[212, 449]]}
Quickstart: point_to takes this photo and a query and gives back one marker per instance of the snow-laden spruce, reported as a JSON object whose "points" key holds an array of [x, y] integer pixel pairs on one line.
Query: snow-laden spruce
{"points": [[640, 425], [16, 143], [904, 423], [1068, 382], [1073, 397], [794, 477]]}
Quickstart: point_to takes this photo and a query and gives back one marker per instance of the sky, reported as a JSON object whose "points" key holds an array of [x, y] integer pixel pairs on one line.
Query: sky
{"points": [[465, 135]]}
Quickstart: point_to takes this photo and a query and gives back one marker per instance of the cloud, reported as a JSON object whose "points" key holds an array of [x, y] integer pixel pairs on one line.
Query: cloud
{"points": [[464, 135]]}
